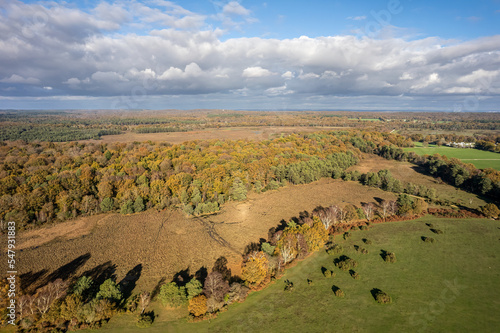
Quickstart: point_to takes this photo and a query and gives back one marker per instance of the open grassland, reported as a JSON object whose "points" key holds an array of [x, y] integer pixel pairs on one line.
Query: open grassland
{"points": [[409, 173], [164, 243], [447, 286], [479, 158], [226, 133]]}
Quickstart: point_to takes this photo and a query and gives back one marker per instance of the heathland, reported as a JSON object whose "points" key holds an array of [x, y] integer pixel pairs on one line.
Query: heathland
{"points": [[151, 217]]}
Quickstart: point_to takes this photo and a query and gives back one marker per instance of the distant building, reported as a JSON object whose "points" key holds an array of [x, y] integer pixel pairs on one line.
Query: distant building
{"points": [[461, 144]]}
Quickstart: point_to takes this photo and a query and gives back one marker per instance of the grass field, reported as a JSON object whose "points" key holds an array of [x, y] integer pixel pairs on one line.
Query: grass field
{"points": [[480, 158], [448, 286]]}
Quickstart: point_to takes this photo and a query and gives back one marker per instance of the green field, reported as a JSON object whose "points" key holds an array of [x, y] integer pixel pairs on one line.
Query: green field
{"points": [[480, 158], [448, 286]]}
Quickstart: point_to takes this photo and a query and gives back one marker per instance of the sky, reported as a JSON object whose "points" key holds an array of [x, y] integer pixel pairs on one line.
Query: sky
{"points": [[255, 55]]}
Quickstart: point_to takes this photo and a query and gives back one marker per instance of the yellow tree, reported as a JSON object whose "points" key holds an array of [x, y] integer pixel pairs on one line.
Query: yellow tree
{"points": [[198, 305], [255, 268]]}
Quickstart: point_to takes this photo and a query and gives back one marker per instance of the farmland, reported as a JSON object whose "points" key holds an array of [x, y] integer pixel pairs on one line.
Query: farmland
{"points": [[479, 158], [434, 287]]}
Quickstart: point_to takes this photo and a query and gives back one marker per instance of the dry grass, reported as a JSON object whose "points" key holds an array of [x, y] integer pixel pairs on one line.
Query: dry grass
{"points": [[227, 133], [166, 242]]}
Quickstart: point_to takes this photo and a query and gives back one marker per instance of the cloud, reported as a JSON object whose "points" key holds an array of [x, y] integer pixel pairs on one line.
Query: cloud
{"points": [[93, 53], [234, 8], [19, 79], [356, 18], [253, 72]]}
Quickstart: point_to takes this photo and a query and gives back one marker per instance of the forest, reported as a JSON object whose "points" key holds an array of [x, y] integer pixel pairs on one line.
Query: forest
{"points": [[54, 167]]}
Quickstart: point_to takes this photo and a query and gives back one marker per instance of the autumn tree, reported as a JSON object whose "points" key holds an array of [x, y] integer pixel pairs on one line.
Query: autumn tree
{"points": [[198, 305], [215, 286], [255, 268], [490, 210]]}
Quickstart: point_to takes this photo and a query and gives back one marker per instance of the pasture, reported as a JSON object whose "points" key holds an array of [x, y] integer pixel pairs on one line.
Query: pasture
{"points": [[447, 286], [479, 158]]}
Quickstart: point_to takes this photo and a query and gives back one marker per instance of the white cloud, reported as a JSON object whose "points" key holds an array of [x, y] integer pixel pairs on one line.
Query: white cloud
{"points": [[19, 79], [288, 75], [234, 8], [253, 72], [357, 18]]}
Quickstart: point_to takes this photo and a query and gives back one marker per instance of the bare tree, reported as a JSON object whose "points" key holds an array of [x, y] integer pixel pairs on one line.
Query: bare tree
{"points": [[22, 305], [287, 253], [368, 210], [393, 207], [385, 206], [215, 286], [144, 300]]}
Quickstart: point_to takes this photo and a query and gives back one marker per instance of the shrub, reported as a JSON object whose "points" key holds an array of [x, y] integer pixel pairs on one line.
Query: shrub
{"points": [[334, 249], [145, 320], [437, 231], [381, 297], [310, 282], [367, 241], [337, 291], [327, 273], [288, 285], [490, 210], [346, 235], [354, 274], [363, 227], [345, 263], [427, 239], [389, 257]]}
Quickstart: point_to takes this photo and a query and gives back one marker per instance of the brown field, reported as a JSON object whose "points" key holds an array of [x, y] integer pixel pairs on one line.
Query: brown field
{"points": [[166, 242], [226, 133]]}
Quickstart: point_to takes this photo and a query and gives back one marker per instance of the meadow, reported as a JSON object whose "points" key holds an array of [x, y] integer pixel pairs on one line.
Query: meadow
{"points": [[479, 158], [445, 286]]}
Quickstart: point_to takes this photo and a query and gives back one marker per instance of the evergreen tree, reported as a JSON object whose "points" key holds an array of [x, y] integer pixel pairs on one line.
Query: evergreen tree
{"points": [[107, 204], [139, 204], [238, 190]]}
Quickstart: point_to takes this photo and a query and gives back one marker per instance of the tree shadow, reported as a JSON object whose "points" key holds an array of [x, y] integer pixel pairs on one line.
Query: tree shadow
{"points": [[378, 200], [375, 292], [28, 279], [66, 271], [220, 266], [252, 247], [101, 273], [201, 274], [383, 254], [156, 289], [182, 277], [128, 283]]}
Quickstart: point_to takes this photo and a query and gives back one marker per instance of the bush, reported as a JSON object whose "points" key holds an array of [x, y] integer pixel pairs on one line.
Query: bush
{"points": [[355, 275], [437, 231], [363, 227], [346, 235], [345, 263], [288, 285], [337, 291], [367, 241], [381, 297], [427, 239], [145, 320], [389, 257], [327, 273], [334, 249]]}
